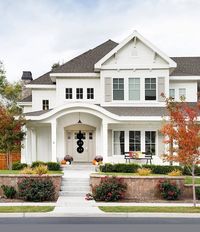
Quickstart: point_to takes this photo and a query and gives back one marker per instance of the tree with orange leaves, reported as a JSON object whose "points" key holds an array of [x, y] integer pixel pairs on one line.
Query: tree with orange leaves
{"points": [[183, 130], [11, 134]]}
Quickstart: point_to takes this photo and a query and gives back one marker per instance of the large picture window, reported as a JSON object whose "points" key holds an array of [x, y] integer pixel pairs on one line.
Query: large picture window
{"points": [[118, 89], [134, 89], [150, 88], [150, 142], [118, 141], [134, 141]]}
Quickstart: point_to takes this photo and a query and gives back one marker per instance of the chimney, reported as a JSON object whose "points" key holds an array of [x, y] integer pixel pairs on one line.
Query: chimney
{"points": [[26, 79]]}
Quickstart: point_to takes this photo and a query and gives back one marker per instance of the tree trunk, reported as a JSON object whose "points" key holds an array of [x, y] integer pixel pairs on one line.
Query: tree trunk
{"points": [[9, 160], [193, 186]]}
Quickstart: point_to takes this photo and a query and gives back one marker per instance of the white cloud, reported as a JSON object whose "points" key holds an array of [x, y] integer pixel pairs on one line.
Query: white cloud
{"points": [[35, 34]]}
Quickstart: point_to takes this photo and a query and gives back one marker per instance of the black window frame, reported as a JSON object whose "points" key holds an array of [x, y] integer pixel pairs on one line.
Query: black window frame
{"points": [[90, 93], [68, 93], [45, 104], [79, 93], [149, 88]]}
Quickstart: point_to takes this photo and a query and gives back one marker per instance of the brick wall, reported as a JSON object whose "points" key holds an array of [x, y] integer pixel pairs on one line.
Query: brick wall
{"points": [[15, 157], [141, 188], [12, 180]]}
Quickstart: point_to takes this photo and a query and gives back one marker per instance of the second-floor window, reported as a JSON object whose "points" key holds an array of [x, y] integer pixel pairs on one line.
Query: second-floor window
{"points": [[118, 89], [134, 88], [182, 93], [68, 93], [90, 93], [172, 93], [79, 93], [45, 104], [150, 88]]}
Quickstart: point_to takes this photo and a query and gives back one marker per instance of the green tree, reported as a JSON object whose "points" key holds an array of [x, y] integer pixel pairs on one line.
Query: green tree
{"points": [[11, 133], [10, 93]]}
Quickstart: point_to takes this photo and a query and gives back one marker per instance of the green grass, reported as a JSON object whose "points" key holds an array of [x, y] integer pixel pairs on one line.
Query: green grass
{"points": [[18, 172], [148, 209], [188, 180], [25, 209]]}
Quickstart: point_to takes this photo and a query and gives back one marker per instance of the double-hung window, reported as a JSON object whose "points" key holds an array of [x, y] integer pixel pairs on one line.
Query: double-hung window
{"points": [[118, 89], [182, 93], [150, 142], [68, 93], [90, 93], [150, 88], [134, 89], [79, 93], [45, 104], [118, 142], [172, 93], [134, 141]]}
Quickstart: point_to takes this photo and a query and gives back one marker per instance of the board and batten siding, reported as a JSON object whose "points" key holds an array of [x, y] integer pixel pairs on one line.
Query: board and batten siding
{"points": [[161, 88], [108, 89]]}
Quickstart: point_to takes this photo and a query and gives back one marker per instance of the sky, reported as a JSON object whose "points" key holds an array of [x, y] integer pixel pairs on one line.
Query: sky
{"points": [[34, 34]]}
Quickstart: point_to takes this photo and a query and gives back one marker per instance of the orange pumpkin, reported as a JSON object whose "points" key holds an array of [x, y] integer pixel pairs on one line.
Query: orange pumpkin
{"points": [[63, 162], [94, 162]]}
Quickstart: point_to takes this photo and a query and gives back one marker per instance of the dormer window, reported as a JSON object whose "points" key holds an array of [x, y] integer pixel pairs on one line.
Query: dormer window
{"points": [[45, 104], [90, 93]]}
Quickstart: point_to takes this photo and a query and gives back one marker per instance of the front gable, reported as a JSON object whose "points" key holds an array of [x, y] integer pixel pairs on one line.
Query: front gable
{"points": [[135, 53]]}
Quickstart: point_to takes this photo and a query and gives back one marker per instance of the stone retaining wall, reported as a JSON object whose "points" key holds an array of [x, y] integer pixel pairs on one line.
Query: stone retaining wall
{"points": [[12, 180], [140, 188]]}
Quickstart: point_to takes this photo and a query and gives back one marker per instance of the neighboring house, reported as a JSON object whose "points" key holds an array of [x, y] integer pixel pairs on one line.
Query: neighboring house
{"points": [[112, 95]]}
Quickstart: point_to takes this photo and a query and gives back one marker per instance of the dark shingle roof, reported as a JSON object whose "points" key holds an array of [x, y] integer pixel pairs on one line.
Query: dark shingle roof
{"points": [[81, 64], [37, 113], [186, 66], [27, 99]]}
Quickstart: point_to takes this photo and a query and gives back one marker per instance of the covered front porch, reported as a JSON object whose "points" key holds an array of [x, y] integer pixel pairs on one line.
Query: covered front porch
{"points": [[84, 133]]}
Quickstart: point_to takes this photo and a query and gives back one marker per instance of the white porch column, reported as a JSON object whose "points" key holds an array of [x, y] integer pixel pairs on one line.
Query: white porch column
{"points": [[105, 140], [24, 146], [53, 140], [33, 145]]}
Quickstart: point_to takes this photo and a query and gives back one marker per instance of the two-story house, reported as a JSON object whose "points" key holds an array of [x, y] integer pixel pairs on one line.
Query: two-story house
{"points": [[111, 97]]}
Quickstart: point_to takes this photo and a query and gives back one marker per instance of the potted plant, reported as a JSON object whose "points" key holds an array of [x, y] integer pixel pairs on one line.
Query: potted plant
{"points": [[68, 158]]}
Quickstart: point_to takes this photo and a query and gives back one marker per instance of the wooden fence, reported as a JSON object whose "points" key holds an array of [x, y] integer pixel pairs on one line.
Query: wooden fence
{"points": [[15, 157]]}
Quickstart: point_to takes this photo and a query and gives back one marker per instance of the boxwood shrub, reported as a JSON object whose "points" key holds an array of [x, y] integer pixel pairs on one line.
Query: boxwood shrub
{"points": [[187, 172], [31, 189], [126, 168], [37, 163], [18, 166], [53, 166], [162, 169]]}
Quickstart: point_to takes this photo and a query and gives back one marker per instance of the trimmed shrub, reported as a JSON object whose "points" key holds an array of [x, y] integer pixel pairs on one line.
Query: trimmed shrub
{"points": [[53, 166], [18, 166], [41, 169], [37, 163], [144, 171], [168, 190], [187, 172], [9, 191], [109, 189], [197, 192], [126, 168], [31, 189], [162, 169]]}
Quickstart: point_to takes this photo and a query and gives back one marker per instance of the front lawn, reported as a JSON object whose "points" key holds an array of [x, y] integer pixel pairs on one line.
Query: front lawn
{"points": [[149, 209], [18, 172], [26, 209]]}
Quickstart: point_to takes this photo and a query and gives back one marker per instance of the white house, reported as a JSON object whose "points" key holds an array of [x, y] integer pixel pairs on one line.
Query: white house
{"points": [[111, 94]]}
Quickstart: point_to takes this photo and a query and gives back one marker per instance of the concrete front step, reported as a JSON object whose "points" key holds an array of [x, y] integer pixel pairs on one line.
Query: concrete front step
{"points": [[79, 167], [75, 180], [73, 193], [71, 183], [75, 188]]}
